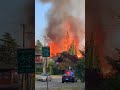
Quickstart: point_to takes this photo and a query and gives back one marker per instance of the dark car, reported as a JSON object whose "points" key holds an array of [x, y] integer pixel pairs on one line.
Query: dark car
{"points": [[68, 77]]}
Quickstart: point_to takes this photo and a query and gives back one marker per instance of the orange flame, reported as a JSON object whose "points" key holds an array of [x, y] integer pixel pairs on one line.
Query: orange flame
{"points": [[66, 42]]}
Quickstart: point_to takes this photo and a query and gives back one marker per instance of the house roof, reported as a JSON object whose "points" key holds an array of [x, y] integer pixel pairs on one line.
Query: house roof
{"points": [[39, 59]]}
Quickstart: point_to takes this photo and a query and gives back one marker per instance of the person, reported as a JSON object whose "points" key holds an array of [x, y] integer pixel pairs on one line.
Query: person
{"points": [[72, 73]]}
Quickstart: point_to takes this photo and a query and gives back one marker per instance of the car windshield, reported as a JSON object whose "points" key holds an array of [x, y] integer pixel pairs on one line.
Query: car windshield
{"points": [[44, 74], [69, 73]]}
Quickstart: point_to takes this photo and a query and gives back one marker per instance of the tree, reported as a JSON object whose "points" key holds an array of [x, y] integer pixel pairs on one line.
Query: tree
{"points": [[115, 63], [50, 66], [72, 49], [65, 64], [8, 49], [66, 60], [80, 67], [113, 80], [38, 47]]}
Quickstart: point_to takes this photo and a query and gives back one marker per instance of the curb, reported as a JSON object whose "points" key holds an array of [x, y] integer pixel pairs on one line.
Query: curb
{"points": [[62, 88]]}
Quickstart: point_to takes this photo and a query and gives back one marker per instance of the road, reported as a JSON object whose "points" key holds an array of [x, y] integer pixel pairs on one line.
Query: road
{"points": [[57, 83]]}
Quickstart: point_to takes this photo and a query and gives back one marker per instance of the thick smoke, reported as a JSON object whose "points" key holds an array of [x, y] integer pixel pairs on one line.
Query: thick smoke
{"points": [[102, 19], [63, 11]]}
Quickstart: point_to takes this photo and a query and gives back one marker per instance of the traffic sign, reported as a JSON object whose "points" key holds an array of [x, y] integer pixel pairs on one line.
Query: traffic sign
{"points": [[46, 51], [25, 60]]}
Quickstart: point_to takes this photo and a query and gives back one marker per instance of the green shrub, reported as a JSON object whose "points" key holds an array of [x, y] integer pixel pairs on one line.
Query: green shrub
{"points": [[112, 83], [38, 70], [80, 69]]}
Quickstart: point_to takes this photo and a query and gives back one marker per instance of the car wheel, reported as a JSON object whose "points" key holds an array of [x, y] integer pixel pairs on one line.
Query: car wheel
{"points": [[82, 80], [73, 81], [62, 81]]}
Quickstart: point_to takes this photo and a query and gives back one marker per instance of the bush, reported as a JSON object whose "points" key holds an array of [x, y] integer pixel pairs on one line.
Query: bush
{"points": [[51, 70], [112, 83], [38, 70], [80, 69], [57, 72]]}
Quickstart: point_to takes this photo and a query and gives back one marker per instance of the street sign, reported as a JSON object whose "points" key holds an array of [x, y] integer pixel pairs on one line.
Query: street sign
{"points": [[25, 60], [46, 51]]}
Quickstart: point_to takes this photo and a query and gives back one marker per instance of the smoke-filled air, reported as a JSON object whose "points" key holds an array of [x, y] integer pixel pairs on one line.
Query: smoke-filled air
{"points": [[66, 25]]}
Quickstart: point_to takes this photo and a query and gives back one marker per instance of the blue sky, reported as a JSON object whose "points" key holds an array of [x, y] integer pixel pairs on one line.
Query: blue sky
{"points": [[41, 10]]}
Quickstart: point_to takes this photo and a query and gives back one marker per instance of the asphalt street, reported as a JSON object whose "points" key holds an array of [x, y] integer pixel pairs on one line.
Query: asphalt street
{"points": [[57, 82]]}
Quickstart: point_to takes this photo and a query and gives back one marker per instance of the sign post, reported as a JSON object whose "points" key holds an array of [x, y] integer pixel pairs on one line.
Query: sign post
{"points": [[25, 63], [25, 60], [46, 53]]}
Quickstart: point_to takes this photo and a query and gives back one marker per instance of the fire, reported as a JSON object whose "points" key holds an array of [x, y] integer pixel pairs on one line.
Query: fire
{"points": [[67, 40], [79, 55]]}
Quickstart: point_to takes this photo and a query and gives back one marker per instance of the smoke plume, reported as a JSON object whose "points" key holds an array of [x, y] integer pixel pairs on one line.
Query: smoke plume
{"points": [[66, 16], [102, 19]]}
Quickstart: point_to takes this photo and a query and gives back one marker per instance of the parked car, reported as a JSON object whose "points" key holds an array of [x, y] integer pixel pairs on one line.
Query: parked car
{"points": [[43, 77], [68, 77]]}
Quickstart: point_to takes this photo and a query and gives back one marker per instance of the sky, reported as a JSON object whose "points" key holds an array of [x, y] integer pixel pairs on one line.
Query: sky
{"points": [[40, 19]]}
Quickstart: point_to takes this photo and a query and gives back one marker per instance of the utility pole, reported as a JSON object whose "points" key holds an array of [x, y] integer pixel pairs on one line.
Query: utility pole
{"points": [[45, 59], [23, 35], [91, 51], [47, 71], [46, 63], [44, 66], [25, 77]]}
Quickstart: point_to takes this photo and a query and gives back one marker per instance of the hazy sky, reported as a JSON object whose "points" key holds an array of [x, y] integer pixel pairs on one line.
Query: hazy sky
{"points": [[40, 19]]}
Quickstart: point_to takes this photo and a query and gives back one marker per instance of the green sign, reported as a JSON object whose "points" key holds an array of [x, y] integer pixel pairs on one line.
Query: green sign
{"points": [[46, 51], [25, 60]]}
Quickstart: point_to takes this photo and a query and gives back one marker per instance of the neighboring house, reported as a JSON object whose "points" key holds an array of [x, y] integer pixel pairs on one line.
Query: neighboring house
{"points": [[8, 76], [38, 60]]}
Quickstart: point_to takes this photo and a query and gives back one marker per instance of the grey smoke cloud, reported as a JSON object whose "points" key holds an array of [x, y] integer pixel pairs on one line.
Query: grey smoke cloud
{"points": [[62, 11], [102, 18]]}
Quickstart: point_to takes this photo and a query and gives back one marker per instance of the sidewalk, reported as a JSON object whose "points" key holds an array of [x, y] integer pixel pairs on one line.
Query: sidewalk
{"points": [[53, 76], [63, 88]]}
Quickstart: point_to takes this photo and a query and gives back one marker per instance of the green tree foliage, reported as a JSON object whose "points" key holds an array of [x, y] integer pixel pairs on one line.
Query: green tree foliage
{"points": [[80, 67], [38, 46], [50, 66], [8, 49], [72, 50], [115, 63], [66, 60], [65, 64], [50, 63], [112, 83]]}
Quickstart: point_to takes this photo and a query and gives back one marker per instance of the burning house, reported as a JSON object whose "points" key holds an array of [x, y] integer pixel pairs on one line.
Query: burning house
{"points": [[65, 25]]}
